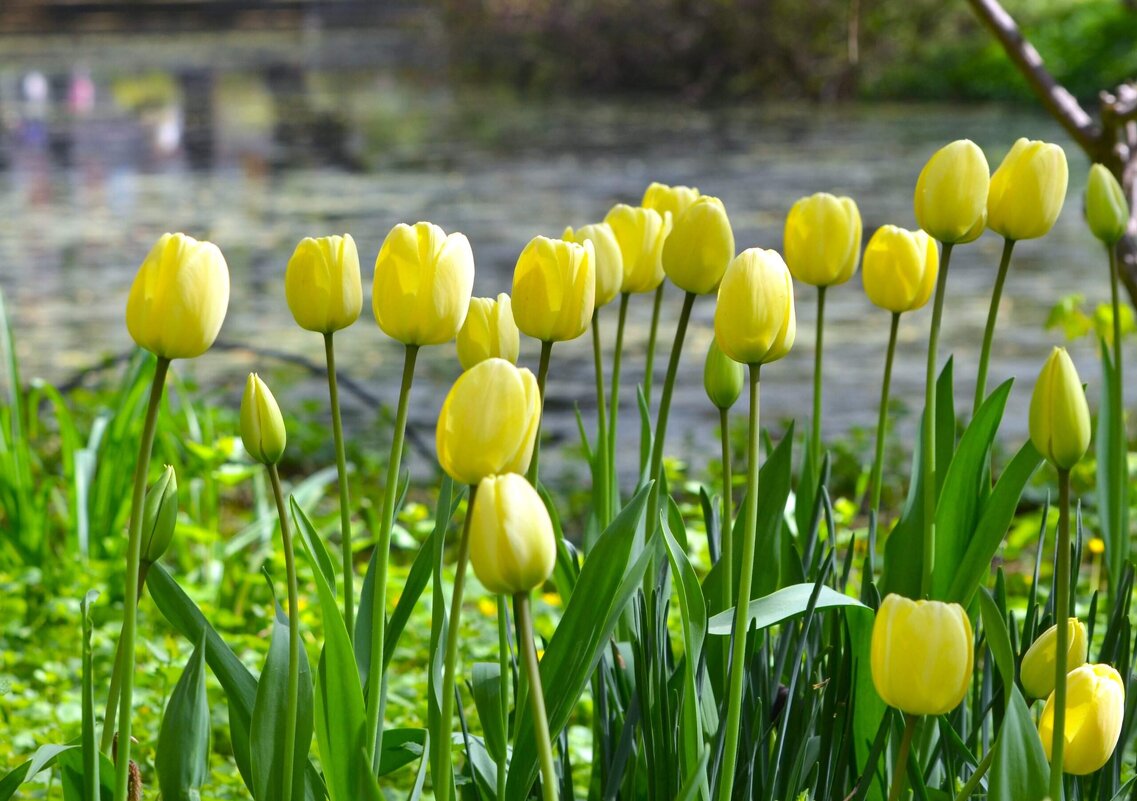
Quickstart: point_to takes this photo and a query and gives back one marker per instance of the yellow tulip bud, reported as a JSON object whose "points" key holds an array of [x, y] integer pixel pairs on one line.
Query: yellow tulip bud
{"points": [[489, 332], [669, 199], [922, 655], [262, 426], [641, 233], [512, 546], [699, 247], [754, 317], [554, 289], [951, 193], [1059, 414], [609, 261], [159, 516], [178, 299], [723, 377], [423, 282], [823, 239], [900, 268], [1095, 708], [1106, 208], [1027, 190], [322, 283], [1039, 662], [488, 422]]}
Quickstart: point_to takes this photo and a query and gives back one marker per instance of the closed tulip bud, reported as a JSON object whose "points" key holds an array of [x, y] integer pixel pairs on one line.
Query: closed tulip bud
{"points": [[922, 655], [178, 300], [489, 332], [609, 264], [1039, 662], [554, 289], [1027, 190], [512, 546], [1106, 208], [641, 233], [262, 426], [900, 268], [159, 516], [723, 377], [1095, 709], [699, 247], [488, 422], [823, 239], [666, 199], [951, 193], [754, 317], [1059, 414], [423, 282], [322, 283]]}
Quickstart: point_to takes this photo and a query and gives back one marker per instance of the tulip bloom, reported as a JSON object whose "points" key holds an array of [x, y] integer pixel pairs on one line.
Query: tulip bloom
{"points": [[262, 426], [754, 317], [609, 262], [423, 282], [1028, 190], [699, 247], [641, 233], [178, 299], [723, 377], [922, 655], [512, 546], [823, 239], [673, 200], [1107, 211], [322, 283], [488, 422], [554, 289], [489, 332], [951, 193], [1059, 414], [1038, 665], [900, 268], [1095, 708]]}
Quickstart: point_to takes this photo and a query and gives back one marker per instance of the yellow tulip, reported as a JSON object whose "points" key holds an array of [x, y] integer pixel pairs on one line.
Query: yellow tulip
{"points": [[512, 546], [900, 268], [641, 233], [699, 247], [1095, 708], [1106, 208], [1059, 414], [1039, 662], [554, 289], [488, 422], [322, 283], [262, 426], [489, 331], [669, 199], [754, 317], [609, 260], [823, 239], [951, 193], [1027, 190], [423, 282], [922, 655], [178, 299], [723, 377]]}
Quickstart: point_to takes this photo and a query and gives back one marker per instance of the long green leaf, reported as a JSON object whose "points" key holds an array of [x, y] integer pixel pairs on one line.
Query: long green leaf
{"points": [[1112, 471], [182, 757], [90, 743], [44, 757], [1019, 771], [485, 686], [781, 606]]}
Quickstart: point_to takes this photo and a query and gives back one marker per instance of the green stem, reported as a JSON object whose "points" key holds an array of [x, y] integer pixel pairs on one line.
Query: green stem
{"points": [[649, 364], [111, 712], [345, 500], [976, 777], [1120, 445], [818, 347], [542, 376], [882, 417], [726, 532], [443, 780], [901, 768], [292, 701], [503, 688], [742, 603], [379, 599], [989, 331], [602, 479], [614, 407], [133, 560], [929, 540], [536, 697], [1062, 640]]}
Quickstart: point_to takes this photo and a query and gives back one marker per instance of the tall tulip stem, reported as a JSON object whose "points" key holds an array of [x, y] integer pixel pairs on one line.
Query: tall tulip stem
{"points": [[976, 776], [542, 376], [379, 599], [503, 686], [740, 628], [524, 615], [602, 478], [345, 500], [989, 331], [929, 555], [882, 415], [726, 532], [818, 347], [902, 757], [293, 637], [614, 406], [652, 337], [1120, 445], [1062, 640], [133, 560]]}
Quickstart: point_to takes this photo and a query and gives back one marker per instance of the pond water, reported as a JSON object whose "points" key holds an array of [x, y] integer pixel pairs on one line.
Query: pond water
{"points": [[256, 140]]}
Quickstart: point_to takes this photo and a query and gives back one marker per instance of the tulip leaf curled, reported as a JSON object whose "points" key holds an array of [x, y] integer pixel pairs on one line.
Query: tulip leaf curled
{"points": [[1019, 770], [182, 759]]}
